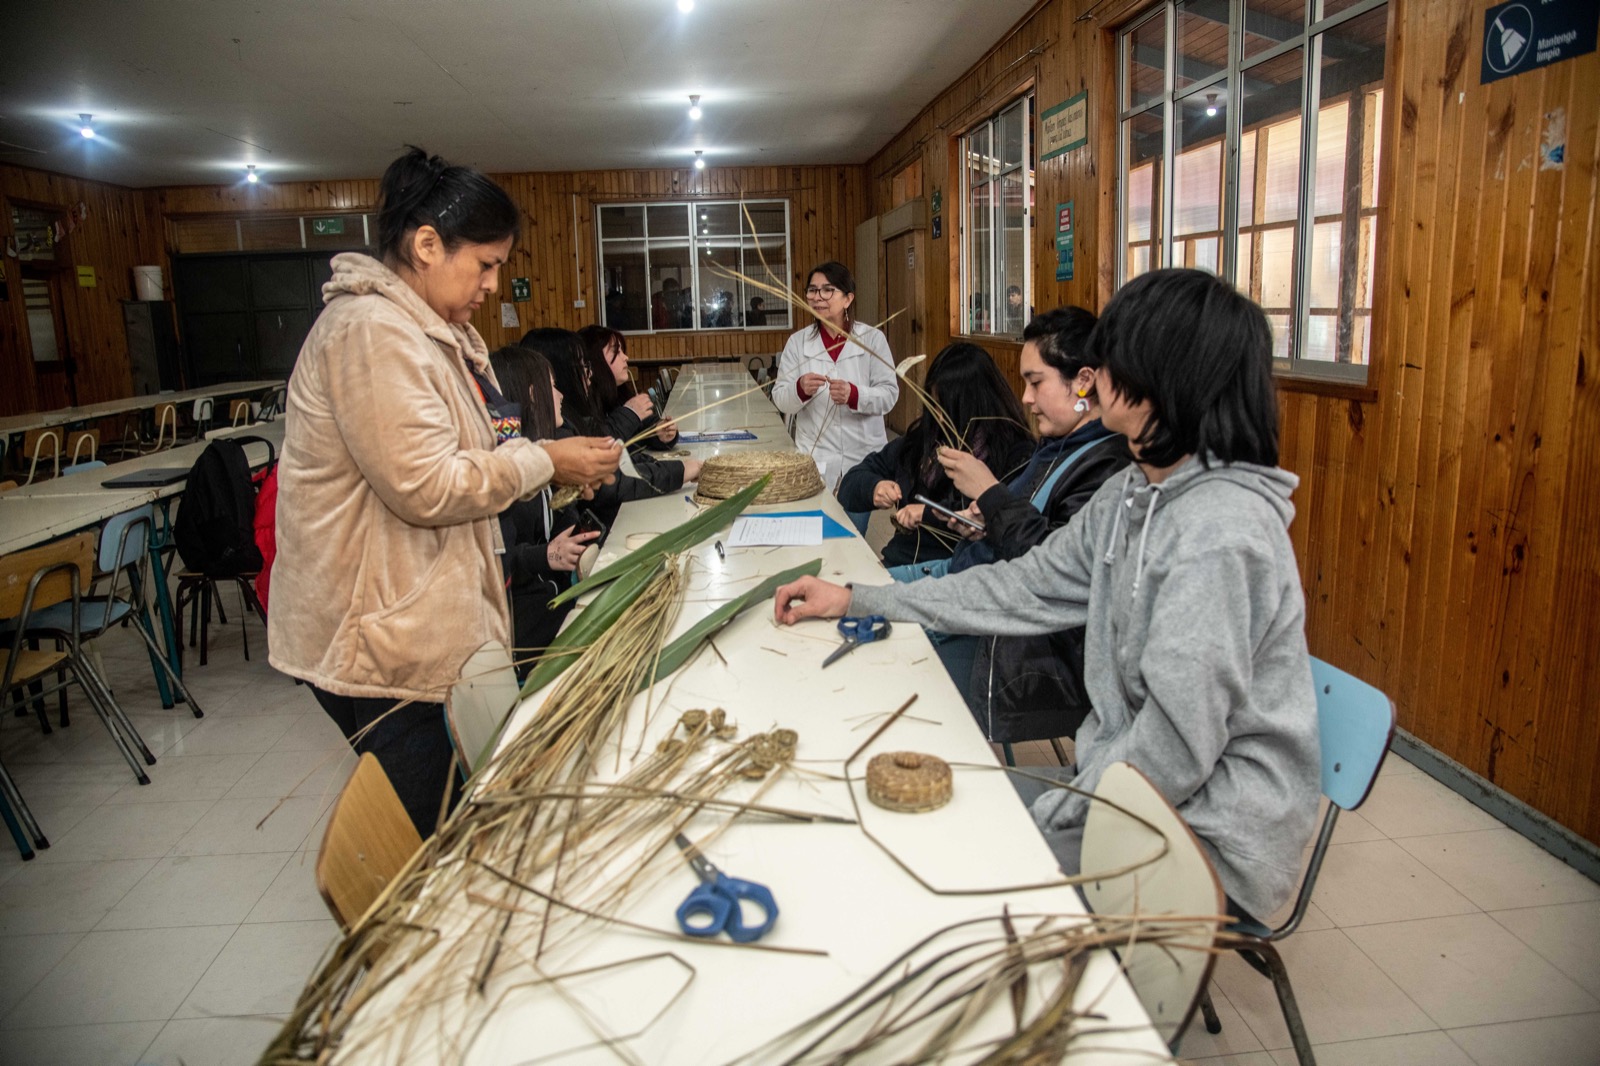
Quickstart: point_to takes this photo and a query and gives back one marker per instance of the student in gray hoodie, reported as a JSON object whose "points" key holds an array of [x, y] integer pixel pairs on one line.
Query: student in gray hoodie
{"points": [[1181, 569]]}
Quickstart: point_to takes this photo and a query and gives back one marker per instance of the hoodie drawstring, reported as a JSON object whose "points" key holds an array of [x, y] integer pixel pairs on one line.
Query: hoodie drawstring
{"points": [[1144, 537], [1116, 523]]}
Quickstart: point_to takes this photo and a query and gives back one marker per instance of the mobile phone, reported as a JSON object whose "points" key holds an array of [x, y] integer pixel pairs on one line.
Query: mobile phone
{"points": [[954, 516], [589, 522]]}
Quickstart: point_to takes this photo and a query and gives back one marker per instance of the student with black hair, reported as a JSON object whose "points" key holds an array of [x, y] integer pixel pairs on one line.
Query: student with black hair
{"points": [[543, 546], [583, 414], [1182, 570], [979, 406], [399, 455], [1031, 687], [628, 412]]}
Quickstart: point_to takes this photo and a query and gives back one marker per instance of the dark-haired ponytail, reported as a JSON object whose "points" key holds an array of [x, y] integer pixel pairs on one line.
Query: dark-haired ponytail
{"points": [[461, 204]]}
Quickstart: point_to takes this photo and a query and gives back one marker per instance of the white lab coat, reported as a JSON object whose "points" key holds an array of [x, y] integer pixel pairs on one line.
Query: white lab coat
{"points": [[847, 436]]}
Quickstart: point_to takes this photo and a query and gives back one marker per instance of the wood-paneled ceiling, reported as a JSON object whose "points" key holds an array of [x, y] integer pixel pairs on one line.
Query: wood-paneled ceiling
{"points": [[190, 92]]}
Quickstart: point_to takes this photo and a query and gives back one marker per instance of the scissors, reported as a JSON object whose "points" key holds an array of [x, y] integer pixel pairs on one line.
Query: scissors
{"points": [[858, 631], [714, 905]]}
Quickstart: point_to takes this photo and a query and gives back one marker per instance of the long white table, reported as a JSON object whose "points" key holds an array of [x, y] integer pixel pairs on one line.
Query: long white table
{"points": [[63, 416], [836, 891]]}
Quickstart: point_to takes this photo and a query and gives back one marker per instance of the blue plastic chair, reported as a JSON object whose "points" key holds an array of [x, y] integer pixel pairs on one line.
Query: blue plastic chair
{"points": [[86, 465], [123, 549], [1355, 723]]}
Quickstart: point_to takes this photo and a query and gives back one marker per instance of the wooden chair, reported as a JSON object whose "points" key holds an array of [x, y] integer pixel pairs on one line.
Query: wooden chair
{"points": [[239, 413], [1355, 723], [7, 485], [369, 839], [1169, 977], [477, 705], [32, 581], [34, 444], [77, 438], [166, 417]]}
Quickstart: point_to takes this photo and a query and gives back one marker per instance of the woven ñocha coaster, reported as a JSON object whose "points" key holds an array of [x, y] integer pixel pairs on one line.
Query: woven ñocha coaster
{"points": [[908, 781], [794, 476]]}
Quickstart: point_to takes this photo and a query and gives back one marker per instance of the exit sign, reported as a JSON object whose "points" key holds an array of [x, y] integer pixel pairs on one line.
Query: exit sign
{"points": [[327, 227]]}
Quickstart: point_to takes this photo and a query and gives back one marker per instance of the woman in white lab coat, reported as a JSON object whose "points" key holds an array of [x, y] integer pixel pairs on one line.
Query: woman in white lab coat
{"points": [[837, 377]]}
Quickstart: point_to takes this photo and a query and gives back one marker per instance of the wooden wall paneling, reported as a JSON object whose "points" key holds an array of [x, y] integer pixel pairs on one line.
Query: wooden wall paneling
{"points": [[118, 233]]}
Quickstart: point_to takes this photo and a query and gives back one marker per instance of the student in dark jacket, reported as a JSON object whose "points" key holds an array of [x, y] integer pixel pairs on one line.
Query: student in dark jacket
{"points": [[542, 546], [628, 412], [979, 409], [1031, 688], [583, 416]]}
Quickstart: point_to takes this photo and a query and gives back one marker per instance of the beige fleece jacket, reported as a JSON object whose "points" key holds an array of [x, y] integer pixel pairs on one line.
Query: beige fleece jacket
{"points": [[389, 482]]}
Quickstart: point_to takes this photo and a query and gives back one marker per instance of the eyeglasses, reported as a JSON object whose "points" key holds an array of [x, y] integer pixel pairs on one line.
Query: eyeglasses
{"points": [[827, 292]]}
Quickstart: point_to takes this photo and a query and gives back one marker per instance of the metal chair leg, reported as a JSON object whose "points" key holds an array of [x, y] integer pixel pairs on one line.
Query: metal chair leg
{"points": [[1061, 752], [156, 656], [104, 709], [1011, 756], [18, 818], [1208, 1011], [1286, 1001]]}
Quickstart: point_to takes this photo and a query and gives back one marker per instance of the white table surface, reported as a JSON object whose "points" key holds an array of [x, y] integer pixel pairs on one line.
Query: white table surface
{"points": [[835, 890], [44, 510], [62, 416]]}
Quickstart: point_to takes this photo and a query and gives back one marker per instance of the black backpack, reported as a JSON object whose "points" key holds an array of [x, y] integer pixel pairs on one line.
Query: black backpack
{"points": [[215, 528]]}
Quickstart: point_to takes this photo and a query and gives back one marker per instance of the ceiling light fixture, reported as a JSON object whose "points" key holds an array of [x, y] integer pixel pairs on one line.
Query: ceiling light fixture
{"points": [[1211, 105], [699, 162], [694, 108], [250, 174], [85, 127], [686, 6]]}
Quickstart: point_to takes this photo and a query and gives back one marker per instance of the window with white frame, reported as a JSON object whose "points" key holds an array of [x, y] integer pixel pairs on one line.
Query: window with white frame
{"points": [[691, 265], [996, 219], [1235, 116]]}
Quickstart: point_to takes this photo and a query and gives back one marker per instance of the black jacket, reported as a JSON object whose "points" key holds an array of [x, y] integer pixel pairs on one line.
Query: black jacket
{"points": [[529, 577], [1031, 688], [657, 477], [915, 546]]}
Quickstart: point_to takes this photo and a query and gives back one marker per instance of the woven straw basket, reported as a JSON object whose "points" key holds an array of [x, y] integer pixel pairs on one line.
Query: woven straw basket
{"points": [[794, 476]]}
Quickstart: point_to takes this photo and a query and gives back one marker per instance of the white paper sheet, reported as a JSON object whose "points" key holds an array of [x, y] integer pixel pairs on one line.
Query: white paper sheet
{"points": [[753, 530]]}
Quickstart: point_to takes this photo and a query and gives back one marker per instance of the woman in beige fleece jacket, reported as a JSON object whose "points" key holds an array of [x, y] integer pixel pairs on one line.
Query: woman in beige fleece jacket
{"points": [[396, 461]]}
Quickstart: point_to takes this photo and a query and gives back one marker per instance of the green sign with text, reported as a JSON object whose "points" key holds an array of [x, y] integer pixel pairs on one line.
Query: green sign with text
{"points": [[327, 227]]}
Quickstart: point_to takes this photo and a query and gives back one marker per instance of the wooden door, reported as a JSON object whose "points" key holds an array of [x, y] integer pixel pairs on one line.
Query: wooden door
{"points": [[903, 264]]}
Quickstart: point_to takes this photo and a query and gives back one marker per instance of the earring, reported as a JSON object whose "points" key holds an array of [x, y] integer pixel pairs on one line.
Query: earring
{"points": [[1083, 403]]}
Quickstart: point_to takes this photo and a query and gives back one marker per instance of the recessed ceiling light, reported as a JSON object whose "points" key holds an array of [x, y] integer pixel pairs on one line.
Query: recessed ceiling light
{"points": [[250, 174], [85, 127], [686, 6], [694, 108], [699, 162]]}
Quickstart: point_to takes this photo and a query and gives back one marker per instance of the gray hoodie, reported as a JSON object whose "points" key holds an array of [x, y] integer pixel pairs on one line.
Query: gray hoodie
{"points": [[1195, 656]]}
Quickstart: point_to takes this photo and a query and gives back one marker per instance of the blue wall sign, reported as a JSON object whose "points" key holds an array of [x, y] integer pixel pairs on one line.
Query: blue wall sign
{"points": [[1527, 34]]}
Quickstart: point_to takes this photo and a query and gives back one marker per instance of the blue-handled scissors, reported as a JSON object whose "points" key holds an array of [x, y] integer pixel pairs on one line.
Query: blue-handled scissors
{"points": [[714, 905], [858, 631]]}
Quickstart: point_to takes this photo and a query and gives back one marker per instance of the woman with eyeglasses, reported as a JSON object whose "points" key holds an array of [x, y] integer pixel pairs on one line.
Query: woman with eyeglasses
{"points": [[836, 377]]}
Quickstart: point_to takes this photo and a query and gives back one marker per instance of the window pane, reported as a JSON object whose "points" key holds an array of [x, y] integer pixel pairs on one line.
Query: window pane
{"points": [[1276, 284], [1280, 335], [1325, 264], [621, 222], [672, 283], [1271, 123], [1202, 40], [1142, 209], [719, 285], [716, 220], [1197, 175], [1145, 62], [1319, 343], [669, 220], [1348, 121], [980, 257], [1009, 135], [1268, 23], [627, 289], [1008, 316], [768, 217], [764, 261]]}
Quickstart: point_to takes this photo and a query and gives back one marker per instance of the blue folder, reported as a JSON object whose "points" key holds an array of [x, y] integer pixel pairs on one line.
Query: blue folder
{"points": [[830, 528]]}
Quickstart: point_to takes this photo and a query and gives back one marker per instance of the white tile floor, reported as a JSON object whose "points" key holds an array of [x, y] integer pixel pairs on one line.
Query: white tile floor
{"points": [[169, 923]]}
